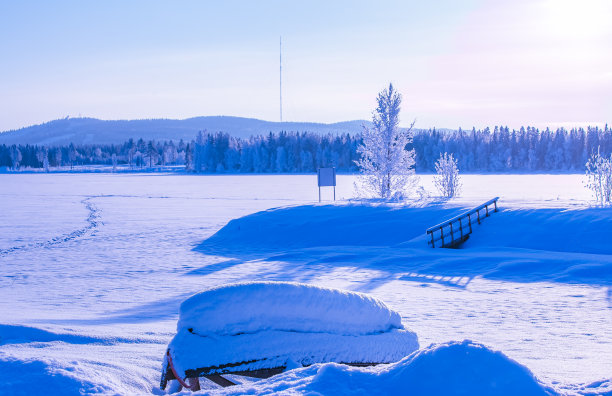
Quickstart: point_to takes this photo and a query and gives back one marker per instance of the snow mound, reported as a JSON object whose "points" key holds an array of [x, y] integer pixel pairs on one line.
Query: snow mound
{"points": [[256, 306], [326, 225], [559, 230], [258, 325], [34, 377], [281, 229], [454, 368]]}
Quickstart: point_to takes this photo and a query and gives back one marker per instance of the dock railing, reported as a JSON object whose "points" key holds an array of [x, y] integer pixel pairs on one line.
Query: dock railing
{"points": [[452, 232]]}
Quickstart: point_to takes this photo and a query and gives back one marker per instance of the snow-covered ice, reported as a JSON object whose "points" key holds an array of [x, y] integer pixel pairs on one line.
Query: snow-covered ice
{"points": [[95, 266]]}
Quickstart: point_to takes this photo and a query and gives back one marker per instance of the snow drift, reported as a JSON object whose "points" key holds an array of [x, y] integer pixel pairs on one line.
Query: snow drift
{"points": [[454, 368], [576, 230], [514, 244], [249, 307], [325, 225], [275, 324], [559, 230], [43, 378]]}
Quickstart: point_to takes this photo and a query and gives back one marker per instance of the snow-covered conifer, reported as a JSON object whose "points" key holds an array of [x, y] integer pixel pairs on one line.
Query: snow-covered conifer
{"points": [[72, 154], [16, 157], [386, 163], [152, 153], [40, 154], [281, 159], [447, 179], [599, 177], [46, 159], [189, 157], [198, 153]]}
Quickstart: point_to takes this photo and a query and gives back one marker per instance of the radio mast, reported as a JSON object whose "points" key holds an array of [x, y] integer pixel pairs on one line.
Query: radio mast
{"points": [[280, 75]]}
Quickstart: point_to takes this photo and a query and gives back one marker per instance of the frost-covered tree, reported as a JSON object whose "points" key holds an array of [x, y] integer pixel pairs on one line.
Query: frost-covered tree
{"points": [[189, 157], [152, 153], [599, 177], [231, 156], [72, 155], [58, 156], [131, 154], [16, 157], [447, 176], [306, 161], [386, 162], [281, 159], [197, 149], [46, 160], [40, 154], [170, 153], [97, 154]]}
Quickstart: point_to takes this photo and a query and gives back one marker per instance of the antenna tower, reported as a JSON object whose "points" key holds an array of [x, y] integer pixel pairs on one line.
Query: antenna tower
{"points": [[280, 76]]}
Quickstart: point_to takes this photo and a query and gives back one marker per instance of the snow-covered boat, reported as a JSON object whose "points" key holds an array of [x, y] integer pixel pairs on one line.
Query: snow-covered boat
{"points": [[260, 329]]}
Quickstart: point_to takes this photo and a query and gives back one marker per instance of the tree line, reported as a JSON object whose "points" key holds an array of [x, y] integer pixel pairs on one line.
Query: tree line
{"points": [[504, 150], [484, 150], [136, 154]]}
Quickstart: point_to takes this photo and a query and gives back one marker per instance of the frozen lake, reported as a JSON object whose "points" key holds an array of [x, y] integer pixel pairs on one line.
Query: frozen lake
{"points": [[94, 266]]}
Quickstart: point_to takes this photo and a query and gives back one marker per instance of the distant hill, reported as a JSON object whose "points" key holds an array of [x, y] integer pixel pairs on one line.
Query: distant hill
{"points": [[92, 130]]}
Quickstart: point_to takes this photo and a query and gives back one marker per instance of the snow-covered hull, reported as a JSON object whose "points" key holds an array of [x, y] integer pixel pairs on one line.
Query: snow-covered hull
{"points": [[193, 355], [259, 329]]}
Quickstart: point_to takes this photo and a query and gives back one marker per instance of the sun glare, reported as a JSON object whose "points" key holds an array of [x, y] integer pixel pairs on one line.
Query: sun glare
{"points": [[577, 19]]}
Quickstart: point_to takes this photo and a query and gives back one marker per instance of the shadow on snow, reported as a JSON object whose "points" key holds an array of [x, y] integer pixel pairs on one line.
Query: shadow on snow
{"points": [[520, 245]]}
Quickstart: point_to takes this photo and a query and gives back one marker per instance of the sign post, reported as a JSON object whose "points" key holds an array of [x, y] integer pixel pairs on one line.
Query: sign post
{"points": [[326, 177]]}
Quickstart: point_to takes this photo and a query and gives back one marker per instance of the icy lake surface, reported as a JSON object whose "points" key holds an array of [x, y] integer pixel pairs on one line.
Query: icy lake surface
{"points": [[93, 268]]}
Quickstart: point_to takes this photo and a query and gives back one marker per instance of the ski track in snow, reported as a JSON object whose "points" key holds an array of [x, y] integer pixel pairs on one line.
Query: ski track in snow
{"points": [[93, 221]]}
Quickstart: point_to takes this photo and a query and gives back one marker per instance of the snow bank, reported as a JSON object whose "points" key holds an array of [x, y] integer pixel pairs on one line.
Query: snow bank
{"points": [[269, 324], [577, 230], [559, 230], [325, 225], [455, 368], [255, 306], [514, 244]]}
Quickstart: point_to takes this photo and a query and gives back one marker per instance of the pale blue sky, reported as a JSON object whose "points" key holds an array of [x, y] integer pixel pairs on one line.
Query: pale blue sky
{"points": [[457, 63]]}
